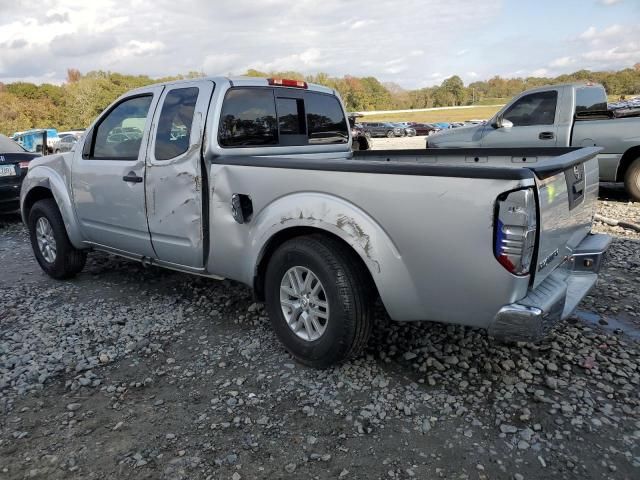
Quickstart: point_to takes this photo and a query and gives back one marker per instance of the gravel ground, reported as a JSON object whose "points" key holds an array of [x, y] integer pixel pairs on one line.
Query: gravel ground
{"points": [[129, 372]]}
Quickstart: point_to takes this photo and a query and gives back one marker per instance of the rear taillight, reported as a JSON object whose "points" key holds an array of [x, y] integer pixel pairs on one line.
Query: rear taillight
{"points": [[515, 230], [283, 82], [24, 165]]}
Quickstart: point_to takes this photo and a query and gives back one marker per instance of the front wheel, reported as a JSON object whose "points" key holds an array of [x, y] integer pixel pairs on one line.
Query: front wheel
{"points": [[51, 246], [319, 300], [390, 134], [632, 180]]}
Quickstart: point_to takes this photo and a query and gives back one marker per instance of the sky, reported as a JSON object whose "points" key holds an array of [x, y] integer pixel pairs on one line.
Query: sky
{"points": [[412, 43]]}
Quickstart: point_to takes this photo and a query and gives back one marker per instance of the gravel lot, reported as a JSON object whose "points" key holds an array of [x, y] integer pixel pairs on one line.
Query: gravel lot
{"points": [[129, 372]]}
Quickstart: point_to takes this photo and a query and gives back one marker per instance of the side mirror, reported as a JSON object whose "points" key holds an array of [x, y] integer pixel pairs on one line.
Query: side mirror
{"points": [[500, 122]]}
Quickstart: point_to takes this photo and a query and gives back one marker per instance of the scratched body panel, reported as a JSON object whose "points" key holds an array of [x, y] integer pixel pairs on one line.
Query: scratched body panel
{"points": [[427, 241], [173, 190]]}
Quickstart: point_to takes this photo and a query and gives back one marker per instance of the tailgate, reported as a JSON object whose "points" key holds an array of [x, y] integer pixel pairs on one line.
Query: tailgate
{"points": [[567, 193]]}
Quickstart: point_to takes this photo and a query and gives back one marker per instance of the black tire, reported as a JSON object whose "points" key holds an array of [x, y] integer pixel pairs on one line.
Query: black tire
{"points": [[349, 294], [390, 134], [57, 151], [69, 261], [632, 180]]}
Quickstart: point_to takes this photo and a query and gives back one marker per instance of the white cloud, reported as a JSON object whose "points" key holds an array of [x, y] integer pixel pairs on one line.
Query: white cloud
{"points": [[540, 72], [562, 62], [360, 24], [611, 47], [593, 35], [610, 2], [38, 37]]}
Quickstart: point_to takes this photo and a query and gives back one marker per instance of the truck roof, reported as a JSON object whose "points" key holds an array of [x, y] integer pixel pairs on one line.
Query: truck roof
{"points": [[561, 85], [241, 81]]}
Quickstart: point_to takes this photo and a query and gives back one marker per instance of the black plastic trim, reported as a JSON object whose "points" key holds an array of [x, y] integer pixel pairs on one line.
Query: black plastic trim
{"points": [[376, 167], [564, 162], [390, 162]]}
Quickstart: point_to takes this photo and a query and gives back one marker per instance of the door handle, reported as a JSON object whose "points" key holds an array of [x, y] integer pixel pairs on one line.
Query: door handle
{"points": [[132, 178], [546, 136]]}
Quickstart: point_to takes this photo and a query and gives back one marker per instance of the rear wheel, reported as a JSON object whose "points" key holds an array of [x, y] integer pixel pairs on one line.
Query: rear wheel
{"points": [[319, 300], [50, 243], [632, 180]]}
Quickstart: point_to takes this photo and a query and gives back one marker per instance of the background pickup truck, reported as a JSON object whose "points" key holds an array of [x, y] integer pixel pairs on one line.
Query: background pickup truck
{"points": [[560, 115], [254, 180]]}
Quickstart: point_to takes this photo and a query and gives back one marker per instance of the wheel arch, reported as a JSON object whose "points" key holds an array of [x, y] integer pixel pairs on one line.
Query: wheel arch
{"points": [[287, 234], [34, 195], [319, 213], [44, 182], [626, 160]]}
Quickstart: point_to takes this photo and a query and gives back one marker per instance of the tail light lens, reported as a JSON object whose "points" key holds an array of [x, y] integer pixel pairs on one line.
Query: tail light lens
{"points": [[515, 230], [24, 165]]}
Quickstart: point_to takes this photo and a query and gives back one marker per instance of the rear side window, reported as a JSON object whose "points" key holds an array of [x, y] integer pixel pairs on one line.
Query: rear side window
{"points": [[534, 109], [174, 125], [248, 118], [325, 119], [590, 99]]}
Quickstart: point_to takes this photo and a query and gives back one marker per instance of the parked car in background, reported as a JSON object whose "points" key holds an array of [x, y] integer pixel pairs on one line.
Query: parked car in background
{"points": [[14, 161], [424, 128], [265, 190], [383, 129], [361, 139], [407, 130], [442, 125], [75, 133], [66, 143], [31, 140], [573, 114]]}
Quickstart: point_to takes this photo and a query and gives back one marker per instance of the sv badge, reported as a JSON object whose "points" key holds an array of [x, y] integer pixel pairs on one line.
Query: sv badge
{"points": [[548, 259]]}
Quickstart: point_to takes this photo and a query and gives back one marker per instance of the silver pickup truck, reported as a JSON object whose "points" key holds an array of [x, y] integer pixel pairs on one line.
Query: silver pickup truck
{"points": [[573, 114], [254, 180]]}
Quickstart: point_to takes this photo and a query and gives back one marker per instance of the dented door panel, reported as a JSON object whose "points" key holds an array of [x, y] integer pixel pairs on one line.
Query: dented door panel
{"points": [[174, 185]]}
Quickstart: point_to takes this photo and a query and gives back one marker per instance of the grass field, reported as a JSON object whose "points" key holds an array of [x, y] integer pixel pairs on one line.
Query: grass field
{"points": [[453, 115]]}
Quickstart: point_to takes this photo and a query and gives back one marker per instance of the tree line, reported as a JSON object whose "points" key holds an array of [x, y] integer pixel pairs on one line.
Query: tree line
{"points": [[75, 103]]}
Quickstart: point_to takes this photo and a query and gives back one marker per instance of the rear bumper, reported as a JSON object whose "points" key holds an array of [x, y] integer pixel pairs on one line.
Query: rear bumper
{"points": [[556, 297]]}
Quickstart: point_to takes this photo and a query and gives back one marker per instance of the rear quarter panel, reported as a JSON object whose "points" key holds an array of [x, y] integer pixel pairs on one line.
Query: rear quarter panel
{"points": [[427, 241]]}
